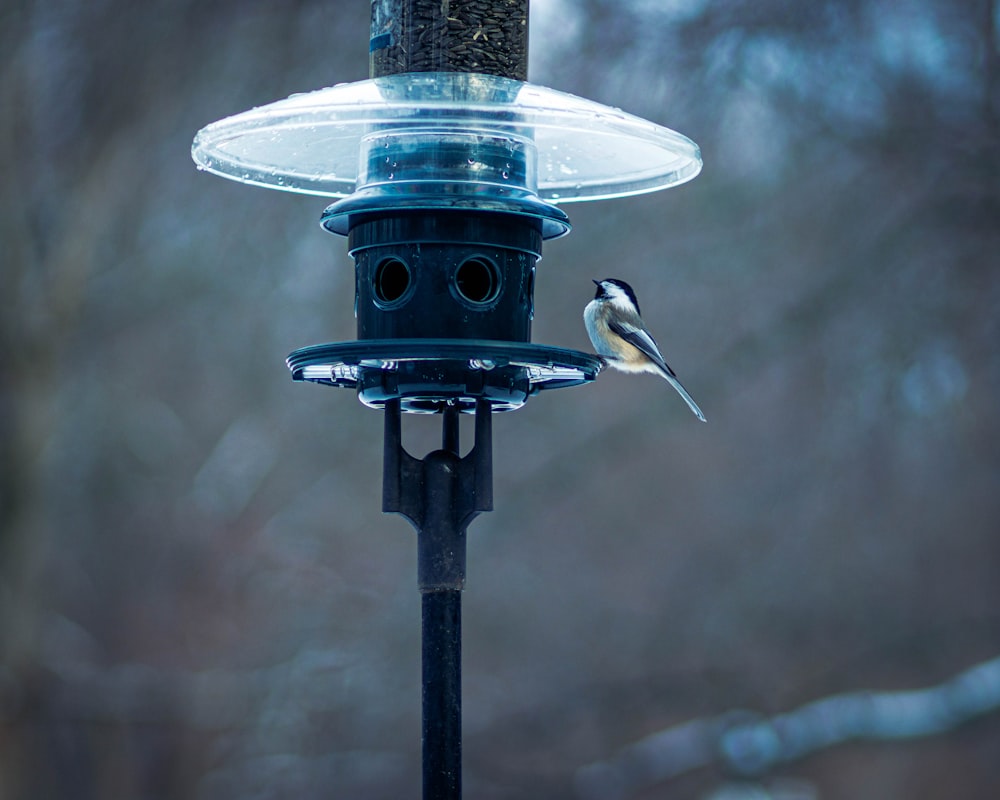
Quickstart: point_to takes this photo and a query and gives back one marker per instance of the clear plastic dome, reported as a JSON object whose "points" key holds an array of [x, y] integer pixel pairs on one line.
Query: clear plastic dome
{"points": [[471, 133]]}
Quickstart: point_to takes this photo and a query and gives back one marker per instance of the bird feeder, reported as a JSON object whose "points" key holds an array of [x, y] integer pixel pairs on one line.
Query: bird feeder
{"points": [[448, 168]]}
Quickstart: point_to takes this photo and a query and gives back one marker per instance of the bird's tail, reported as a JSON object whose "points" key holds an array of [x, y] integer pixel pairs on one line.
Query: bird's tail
{"points": [[672, 379]]}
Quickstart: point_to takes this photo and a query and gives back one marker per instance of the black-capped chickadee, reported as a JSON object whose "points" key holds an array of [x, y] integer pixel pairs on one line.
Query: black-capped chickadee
{"points": [[619, 336]]}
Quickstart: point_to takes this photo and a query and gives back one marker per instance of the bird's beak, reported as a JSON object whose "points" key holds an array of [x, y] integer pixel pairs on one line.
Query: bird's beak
{"points": [[596, 283]]}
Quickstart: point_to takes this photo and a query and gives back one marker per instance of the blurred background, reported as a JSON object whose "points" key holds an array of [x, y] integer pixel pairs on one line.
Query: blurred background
{"points": [[199, 595]]}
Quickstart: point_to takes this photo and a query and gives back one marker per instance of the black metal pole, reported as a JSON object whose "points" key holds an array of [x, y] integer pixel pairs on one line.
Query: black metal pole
{"points": [[441, 666], [440, 495], [441, 575]]}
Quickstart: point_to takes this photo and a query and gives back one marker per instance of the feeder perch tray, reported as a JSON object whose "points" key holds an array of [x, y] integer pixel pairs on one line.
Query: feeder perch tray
{"points": [[428, 374]]}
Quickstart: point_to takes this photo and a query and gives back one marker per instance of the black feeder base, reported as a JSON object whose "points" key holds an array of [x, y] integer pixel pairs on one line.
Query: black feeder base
{"points": [[428, 375]]}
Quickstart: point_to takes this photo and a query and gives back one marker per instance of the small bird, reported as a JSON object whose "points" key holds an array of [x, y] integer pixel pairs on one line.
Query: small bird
{"points": [[621, 339]]}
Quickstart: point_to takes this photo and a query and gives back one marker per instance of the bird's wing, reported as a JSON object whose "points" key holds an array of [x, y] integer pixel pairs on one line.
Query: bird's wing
{"points": [[640, 338]]}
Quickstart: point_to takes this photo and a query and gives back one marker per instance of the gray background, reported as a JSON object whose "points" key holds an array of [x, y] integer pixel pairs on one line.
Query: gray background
{"points": [[200, 597]]}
